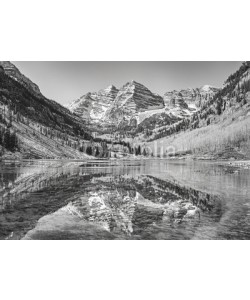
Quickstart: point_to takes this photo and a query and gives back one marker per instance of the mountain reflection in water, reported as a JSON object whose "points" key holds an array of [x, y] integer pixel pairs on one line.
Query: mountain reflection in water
{"points": [[149, 199]]}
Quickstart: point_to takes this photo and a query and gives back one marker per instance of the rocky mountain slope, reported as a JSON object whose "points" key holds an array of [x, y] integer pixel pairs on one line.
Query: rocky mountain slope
{"points": [[37, 126], [112, 105], [190, 97], [131, 99], [12, 71], [93, 106], [179, 107]]}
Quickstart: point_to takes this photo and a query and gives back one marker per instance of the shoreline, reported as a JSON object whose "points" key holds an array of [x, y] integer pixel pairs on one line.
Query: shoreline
{"points": [[230, 162]]}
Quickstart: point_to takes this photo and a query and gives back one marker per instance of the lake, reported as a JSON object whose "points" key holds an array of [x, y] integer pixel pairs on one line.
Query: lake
{"points": [[139, 199]]}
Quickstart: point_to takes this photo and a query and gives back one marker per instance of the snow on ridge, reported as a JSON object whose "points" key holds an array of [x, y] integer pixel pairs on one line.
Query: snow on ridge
{"points": [[208, 88]]}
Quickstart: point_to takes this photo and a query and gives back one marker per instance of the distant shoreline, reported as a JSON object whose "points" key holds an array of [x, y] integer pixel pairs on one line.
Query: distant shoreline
{"points": [[230, 162]]}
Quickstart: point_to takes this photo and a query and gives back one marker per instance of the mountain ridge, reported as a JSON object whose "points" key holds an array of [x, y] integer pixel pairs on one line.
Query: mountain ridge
{"points": [[12, 71], [128, 106], [33, 124], [111, 103]]}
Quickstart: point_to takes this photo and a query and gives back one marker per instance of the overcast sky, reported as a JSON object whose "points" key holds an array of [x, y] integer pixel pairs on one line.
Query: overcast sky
{"points": [[67, 81]]}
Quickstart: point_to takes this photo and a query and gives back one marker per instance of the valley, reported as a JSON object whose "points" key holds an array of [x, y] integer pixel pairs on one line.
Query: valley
{"points": [[131, 121]]}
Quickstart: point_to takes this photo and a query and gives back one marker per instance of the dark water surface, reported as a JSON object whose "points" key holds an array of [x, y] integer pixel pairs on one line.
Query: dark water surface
{"points": [[147, 199]]}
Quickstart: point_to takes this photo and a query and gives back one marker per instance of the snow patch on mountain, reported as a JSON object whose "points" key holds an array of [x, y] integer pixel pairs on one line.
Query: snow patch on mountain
{"points": [[93, 106]]}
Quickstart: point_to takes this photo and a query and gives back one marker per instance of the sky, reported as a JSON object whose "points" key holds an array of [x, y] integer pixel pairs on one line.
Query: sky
{"points": [[66, 81]]}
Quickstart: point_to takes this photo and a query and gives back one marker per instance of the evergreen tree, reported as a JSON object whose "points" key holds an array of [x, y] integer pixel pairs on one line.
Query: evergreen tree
{"points": [[89, 150], [1, 138], [7, 139], [139, 150], [218, 106], [97, 152]]}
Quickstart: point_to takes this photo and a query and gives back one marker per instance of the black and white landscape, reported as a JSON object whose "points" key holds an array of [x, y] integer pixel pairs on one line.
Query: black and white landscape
{"points": [[125, 162]]}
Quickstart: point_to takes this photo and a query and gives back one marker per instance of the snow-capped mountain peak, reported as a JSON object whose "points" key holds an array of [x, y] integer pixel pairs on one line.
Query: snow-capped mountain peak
{"points": [[207, 88], [113, 103], [93, 106], [193, 97], [110, 88], [133, 97]]}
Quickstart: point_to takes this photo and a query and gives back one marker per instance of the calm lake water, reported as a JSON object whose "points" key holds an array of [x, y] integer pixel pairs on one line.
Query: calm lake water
{"points": [[147, 199]]}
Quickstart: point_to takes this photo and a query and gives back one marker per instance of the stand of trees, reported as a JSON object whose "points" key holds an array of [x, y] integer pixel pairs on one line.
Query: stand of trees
{"points": [[36, 108], [8, 140]]}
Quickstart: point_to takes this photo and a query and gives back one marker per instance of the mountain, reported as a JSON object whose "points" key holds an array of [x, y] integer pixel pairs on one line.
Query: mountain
{"points": [[12, 71], [133, 98], [112, 105], [191, 97], [134, 109], [34, 125], [233, 97], [221, 126], [134, 104], [93, 106]]}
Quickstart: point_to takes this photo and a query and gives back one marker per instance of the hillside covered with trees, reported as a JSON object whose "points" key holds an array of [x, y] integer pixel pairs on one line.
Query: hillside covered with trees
{"points": [[36, 126], [221, 128]]}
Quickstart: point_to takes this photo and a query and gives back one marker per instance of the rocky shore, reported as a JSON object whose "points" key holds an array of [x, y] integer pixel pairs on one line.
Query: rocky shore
{"points": [[241, 164]]}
